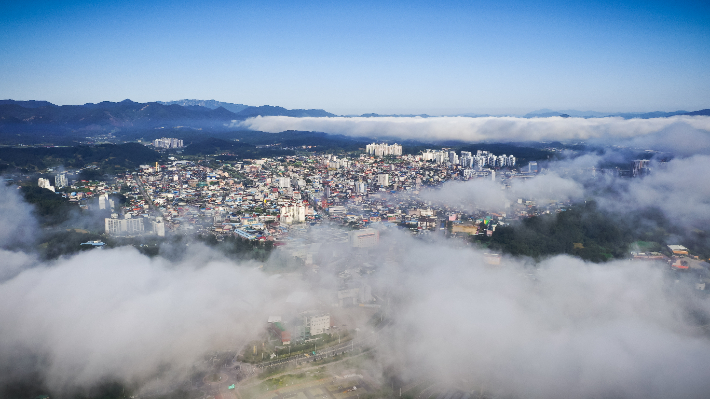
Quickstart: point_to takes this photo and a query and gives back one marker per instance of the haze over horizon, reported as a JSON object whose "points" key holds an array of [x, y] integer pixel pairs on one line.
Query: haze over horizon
{"points": [[399, 58]]}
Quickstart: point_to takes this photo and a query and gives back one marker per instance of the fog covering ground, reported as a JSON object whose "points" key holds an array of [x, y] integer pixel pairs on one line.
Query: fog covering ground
{"points": [[557, 328], [677, 188], [683, 135]]}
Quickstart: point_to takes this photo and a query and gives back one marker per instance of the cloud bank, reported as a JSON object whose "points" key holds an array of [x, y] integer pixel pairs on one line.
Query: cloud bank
{"points": [[18, 223], [497, 129], [560, 328], [486, 194], [676, 188], [575, 330], [119, 315]]}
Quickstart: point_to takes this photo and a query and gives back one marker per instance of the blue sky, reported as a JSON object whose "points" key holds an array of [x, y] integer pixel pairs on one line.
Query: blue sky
{"points": [[347, 57]]}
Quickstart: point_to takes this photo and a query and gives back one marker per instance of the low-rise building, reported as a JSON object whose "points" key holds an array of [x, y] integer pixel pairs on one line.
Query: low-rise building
{"points": [[364, 238]]}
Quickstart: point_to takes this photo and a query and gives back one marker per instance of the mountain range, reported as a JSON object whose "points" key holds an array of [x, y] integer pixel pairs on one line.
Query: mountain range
{"points": [[546, 113], [41, 122], [127, 112], [36, 122], [211, 104]]}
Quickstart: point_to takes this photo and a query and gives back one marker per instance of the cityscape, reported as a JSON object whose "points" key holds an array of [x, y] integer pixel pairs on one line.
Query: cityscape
{"points": [[270, 200], [312, 215]]}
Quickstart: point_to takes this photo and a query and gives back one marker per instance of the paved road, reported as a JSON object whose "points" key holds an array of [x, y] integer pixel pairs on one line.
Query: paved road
{"points": [[147, 197]]}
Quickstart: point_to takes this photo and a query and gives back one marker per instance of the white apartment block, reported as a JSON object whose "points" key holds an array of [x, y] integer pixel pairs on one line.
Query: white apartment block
{"points": [[168, 142], [60, 180], [381, 150], [44, 183], [293, 213], [125, 226]]}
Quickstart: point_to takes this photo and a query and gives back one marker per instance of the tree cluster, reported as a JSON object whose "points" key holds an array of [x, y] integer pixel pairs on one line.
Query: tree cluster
{"points": [[583, 231]]}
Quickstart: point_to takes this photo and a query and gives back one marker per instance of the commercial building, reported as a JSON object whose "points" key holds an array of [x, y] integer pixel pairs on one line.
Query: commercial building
{"points": [[678, 249], [318, 324], [311, 324]]}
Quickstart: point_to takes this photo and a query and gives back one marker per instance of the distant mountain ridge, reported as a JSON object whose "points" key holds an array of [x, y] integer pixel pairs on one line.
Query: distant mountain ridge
{"points": [[44, 122], [546, 113], [268, 110], [703, 112], [374, 115], [41, 122], [119, 114], [128, 113], [211, 104], [246, 111], [28, 104]]}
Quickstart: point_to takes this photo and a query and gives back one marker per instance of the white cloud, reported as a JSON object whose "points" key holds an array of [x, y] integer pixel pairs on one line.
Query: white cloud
{"points": [[485, 194], [18, 224], [498, 129], [578, 330], [678, 188], [118, 314]]}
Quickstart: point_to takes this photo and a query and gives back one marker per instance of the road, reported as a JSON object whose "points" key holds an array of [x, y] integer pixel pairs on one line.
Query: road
{"points": [[145, 195]]}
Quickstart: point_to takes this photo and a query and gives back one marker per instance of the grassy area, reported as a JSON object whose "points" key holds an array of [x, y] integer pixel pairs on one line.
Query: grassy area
{"points": [[271, 371], [283, 381], [293, 379], [646, 246]]}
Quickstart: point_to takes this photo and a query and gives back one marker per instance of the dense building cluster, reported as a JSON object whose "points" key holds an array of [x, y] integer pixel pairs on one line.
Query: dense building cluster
{"points": [[467, 160], [261, 199], [167, 142]]}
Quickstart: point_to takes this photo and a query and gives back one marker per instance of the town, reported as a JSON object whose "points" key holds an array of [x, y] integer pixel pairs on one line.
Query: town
{"points": [[260, 199], [302, 204], [275, 201]]}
